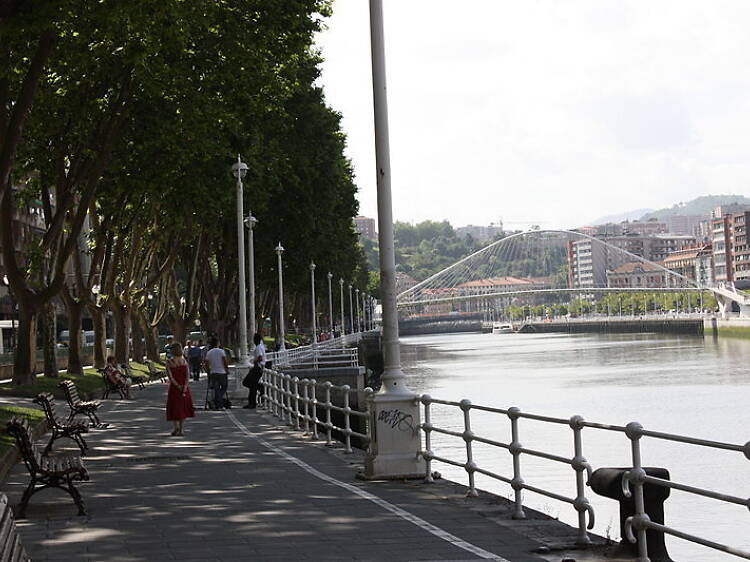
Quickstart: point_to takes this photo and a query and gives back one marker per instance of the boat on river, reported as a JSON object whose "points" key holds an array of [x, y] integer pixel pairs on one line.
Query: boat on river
{"points": [[499, 328]]}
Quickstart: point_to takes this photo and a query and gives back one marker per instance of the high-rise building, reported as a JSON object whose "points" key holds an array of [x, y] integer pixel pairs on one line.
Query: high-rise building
{"points": [[481, 233], [589, 259], [731, 251], [365, 227]]}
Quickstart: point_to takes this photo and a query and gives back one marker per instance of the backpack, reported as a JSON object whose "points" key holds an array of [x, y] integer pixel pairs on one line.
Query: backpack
{"points": [[195, 353]]}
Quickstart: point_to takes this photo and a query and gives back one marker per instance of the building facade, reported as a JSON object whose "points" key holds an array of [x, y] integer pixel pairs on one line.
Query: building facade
{"points": [[365, 227], [637, 275]]}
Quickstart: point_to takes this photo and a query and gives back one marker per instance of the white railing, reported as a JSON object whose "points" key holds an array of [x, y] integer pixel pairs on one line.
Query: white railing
{"points": [[322, 353], [633, 479], [306, 404]]}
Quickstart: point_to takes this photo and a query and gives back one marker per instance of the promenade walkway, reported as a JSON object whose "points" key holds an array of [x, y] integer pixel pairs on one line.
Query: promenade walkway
{"points": [[237, 488]]}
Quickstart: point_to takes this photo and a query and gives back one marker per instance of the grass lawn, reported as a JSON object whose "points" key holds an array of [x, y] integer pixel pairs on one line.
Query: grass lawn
{"points": [[6, 413], [89, 384]]}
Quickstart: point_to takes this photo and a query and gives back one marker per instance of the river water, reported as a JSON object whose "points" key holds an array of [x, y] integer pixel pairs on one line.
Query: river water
{"points": [[678, 384]]}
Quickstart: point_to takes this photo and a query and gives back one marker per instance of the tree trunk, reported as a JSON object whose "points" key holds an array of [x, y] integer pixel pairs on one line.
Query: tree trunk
{"points": [[99, 320], [179, 329], [139, 349], [152, 341], [24, 360], [74, 310], [49, 338], [122, 333]]}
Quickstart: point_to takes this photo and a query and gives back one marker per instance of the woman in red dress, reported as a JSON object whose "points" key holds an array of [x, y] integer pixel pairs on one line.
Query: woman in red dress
{"points": [[179, 399]]}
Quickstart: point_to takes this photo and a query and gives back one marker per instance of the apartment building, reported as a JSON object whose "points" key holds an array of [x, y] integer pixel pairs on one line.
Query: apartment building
{"points": [[731, 252], [637, 274], [365, 227], [589, 259]]}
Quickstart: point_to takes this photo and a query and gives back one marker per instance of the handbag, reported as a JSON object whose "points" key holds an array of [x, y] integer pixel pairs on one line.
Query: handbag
{"points": [[252, 377], [248, 380]]}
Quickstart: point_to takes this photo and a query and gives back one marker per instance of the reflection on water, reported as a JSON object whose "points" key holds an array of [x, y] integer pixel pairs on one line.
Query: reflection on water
{"points": [[678, 384]]}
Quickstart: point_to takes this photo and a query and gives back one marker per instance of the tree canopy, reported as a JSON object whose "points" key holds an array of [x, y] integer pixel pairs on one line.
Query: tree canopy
{"points": [[122, 120]]}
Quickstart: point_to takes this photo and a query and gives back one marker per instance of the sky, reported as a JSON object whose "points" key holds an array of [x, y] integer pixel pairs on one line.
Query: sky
{"points": [[546, 112]]}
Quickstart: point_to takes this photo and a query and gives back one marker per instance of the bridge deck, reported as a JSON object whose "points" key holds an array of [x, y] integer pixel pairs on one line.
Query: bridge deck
{"points": [[237, 488]]}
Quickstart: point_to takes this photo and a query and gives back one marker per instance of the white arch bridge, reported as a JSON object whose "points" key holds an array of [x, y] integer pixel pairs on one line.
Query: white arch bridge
{"points": [[545, 267]]}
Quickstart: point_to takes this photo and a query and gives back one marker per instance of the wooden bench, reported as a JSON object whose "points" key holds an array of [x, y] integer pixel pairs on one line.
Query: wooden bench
{"points": [[125, 369], [59, 427], [155, 373], [11, 548], [109, 386], [46, 472], [78, 406]]}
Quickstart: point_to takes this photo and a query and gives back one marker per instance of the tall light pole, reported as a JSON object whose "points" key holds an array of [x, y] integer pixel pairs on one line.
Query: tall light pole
{"points": [[239, 169], [396, 453], [364, 311], [356, 292], [280, 250], [351, 310], [329, 276], [343, 321], [312, 297], [250, 222]]}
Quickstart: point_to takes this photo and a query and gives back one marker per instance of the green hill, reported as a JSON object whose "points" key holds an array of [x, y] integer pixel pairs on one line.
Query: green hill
{"points": [[699, 206]]}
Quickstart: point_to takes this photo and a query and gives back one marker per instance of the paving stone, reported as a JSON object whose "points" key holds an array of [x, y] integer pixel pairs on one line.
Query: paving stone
{"points": [[217, 494]]}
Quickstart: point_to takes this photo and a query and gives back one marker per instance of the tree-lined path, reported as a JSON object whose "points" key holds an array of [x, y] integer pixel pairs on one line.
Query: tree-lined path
{"points": [[237, 488]]}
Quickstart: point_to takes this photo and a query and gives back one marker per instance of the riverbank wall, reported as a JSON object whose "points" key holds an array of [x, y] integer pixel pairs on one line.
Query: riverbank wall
{"points": [[620, 326], [440, 327], [730, 327]]}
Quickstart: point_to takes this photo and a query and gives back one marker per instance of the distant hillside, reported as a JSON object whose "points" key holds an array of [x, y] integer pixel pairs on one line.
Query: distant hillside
{"points": [[699, 206], [628, 216]]}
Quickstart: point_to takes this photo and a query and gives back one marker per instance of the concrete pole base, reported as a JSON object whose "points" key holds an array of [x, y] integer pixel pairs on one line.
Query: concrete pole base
{"points": [[394, 453]]}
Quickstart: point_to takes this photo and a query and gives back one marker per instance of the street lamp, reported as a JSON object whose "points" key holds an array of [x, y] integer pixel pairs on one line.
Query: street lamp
{"points": [[280, 250], [13, 314], [396, 454], [239, 170], [343, 323], [312, 297], [329, 276], [250, 222], [351, 309], [359, 327], [364, 310]]}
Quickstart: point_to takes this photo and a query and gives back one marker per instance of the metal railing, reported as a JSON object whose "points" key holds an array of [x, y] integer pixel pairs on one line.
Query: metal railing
{"points": [[306, 404], [322, 353], [633, 480]]}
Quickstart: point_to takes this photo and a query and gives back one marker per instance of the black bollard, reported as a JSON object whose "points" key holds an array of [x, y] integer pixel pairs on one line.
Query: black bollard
{"points": [[607, 482]]}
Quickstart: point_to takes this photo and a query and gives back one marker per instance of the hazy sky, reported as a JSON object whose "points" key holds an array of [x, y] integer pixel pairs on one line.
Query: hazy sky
{"points": [[546, 111]]}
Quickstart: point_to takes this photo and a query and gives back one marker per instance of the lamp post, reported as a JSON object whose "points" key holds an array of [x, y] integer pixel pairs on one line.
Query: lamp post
{"points": [[280, 250], [343, 323], [13, 315], [351, 310], [364, 311], [329, 276], [250, 222], [396, 452], [312, 297], [359, 326], [239, 170]]}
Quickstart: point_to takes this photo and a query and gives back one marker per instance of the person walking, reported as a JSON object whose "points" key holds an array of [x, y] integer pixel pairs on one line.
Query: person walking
{"points": [[168, 349], [195, 358], [217, 369], [259, 363], [179, 398]]}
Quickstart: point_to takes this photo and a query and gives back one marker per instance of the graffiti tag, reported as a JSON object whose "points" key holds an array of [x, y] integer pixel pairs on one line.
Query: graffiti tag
{"points": [[397, 420]]}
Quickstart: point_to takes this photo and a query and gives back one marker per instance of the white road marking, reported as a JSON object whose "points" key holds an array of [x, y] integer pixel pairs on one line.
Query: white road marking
{"points": [[402, 513]]}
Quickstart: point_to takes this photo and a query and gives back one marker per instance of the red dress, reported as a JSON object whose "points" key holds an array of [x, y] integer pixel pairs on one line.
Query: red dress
{"points": [[179, 407]]}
